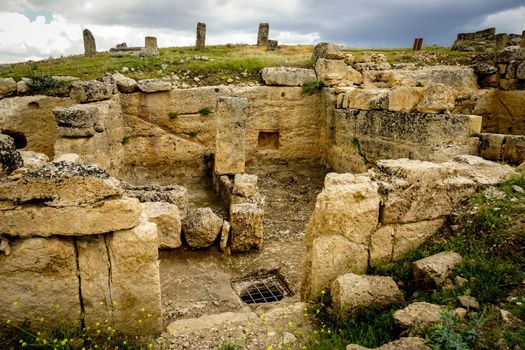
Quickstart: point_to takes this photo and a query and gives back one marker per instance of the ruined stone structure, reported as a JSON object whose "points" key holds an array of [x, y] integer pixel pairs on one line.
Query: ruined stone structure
{"points": [[90, 47], [200, 42], [150, 49], [485, 39], [262, 34], [404, 142]]}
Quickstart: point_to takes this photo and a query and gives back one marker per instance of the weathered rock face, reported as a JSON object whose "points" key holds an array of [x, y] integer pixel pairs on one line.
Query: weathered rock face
{"points": [[502, 111], [154, 85], [418, 314], [245, 185], [201, 227], [327, 50], [177, 195], [354, 291], [125, 84], [61, 184], [76, 120], [437, 98], [262, 35], [90, 48], [7, 87], [230, 153], [92, 90], [336, 72], [246, 227], [33, 160], [434, 270], [39, 279], [167, 218], [135, 279], [200, 43], [10, 158], [285, 76]]}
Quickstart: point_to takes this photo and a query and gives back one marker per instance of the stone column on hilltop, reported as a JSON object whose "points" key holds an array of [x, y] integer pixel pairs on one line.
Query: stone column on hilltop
{"points": [[90, 48], [502, 40], [201, 36], [150, 42], [522, 44], [262, 35]]}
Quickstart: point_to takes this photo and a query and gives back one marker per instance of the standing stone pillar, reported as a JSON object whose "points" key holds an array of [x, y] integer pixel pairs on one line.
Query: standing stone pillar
{"points": [[150, 42], [201, 36], [262, 35], [502, 40], [522, 44], [230, 153], [90, 48]]}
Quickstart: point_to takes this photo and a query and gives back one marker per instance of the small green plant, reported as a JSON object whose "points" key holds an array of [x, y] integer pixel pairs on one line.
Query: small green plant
{"points": [[357, 145], [451, 334], [193, 134], [204, 111], [310, 86], [419, 84], [173, 115], [41, 81], [229, 346], [125, 140]]}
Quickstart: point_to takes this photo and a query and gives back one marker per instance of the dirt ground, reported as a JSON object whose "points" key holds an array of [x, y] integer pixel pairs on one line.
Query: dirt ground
{"points": [[198, 283]]}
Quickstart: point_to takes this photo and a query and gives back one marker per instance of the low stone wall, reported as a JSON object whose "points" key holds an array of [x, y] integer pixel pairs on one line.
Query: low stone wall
{"points": [[503, 148], [483, 40], [75, 250], [360, 220]]}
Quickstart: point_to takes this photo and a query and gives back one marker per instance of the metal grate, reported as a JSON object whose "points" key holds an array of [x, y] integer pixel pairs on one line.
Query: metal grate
{"points": [[261, 289]]}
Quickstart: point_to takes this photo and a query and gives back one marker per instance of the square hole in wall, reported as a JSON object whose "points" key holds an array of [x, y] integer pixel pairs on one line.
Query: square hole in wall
{"points": [[261, 289], [268, 140]]}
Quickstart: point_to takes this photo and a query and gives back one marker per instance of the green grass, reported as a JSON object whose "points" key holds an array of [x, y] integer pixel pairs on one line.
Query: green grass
{"points": [[173, 115], [490, 235], [204, 111], [311, 86]]}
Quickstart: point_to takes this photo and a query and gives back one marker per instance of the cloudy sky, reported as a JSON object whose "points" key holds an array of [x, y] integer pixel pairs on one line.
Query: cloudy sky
{"points": [[37, 29]]}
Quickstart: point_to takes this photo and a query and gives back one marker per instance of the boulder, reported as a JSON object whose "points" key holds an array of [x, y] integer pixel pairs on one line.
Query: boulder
{"points": [[353, 292], [336, 72], [327, 50], [10, 158], [135, 279], [33, 160], [62, 184], [77, 120], [246, 227], [245, 185], [154, 85], [125, 84], [92, 90], [201, 227], [408, 237], [39, 279], [37, 220], [7, 87], [510, 53], [405, 343], [433, 271], [332, 256], [418, 314], [23, 86], [167, 218], [285, 76], [468, 302], [404, 98]]}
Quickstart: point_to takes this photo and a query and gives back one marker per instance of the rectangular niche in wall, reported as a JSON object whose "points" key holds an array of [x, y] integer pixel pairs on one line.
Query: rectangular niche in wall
{"points": [[268, 140]]}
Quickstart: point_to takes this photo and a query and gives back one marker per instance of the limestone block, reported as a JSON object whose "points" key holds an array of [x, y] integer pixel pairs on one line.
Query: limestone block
{"points": [[361, 291], [225, 235], [40, 274], [23, 86], [336, 72], [514, 149], [217, 321], [230, 153], [77, 120], [245, 185], [418, 314], [10, 158], [510, 53], [404, 98], [154, 85], [408, 237], [62, 184], [331, 257], [437, 98], [33, 160], [434, 270], [7, 87], [92, 90], [348, 206], [479, 170], [69, 158], [36, 220], [201, 227], [167, 218], [90, 47], [135, 279], [327, 50], [382, 245], [366, 99], [94, 272], [125, 84], [287, 76], [246, 227], [177, 195]]}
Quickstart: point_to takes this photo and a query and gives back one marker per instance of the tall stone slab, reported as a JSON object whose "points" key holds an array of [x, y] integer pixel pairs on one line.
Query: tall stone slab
{"points": [[262, 35], [230, 147], [90, 48], [150, 42], [201, 36]]}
